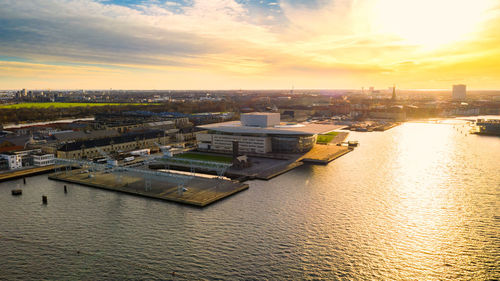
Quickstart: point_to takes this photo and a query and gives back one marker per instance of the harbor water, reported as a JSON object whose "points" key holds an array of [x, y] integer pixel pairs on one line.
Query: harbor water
{"points": [[417, 202]]}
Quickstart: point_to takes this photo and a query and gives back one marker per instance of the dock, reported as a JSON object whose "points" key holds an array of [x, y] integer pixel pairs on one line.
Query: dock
{"points": [[324, 154], [340, 137], [262, 168], [32, 171], [198, 191], [266, 167], [386, 127]]}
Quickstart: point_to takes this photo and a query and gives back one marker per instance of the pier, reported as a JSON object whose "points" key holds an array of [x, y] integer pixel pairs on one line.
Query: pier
{"points": [[324, 154], [197, 191]]}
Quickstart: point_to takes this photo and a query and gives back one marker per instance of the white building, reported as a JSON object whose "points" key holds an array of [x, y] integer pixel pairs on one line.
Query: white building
{"points": [[260, 119], [13, 161], [459, 92], [261, 133], [224, 142], [42, 159]]}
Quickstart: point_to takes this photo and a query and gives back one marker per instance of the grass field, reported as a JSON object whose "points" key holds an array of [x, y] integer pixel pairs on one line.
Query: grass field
{"points": [[332, 134], [63, 104], [326, 138], [205, 157]]}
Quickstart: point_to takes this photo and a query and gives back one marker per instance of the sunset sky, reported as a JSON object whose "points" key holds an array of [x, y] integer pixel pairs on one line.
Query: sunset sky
{"points": [[245, 44]]}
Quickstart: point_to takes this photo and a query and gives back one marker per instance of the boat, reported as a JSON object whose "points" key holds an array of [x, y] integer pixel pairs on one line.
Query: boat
{"points": [[352, 143], [349, 143], [488, 127], [17, 192]]}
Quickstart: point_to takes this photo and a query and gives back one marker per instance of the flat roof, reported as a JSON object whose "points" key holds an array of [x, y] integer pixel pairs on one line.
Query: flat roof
{"points": [[236, 127], [261, 113]]}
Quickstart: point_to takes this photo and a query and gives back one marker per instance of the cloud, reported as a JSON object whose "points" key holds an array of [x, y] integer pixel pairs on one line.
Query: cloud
{"points": [[309, 41], [91, 32]]}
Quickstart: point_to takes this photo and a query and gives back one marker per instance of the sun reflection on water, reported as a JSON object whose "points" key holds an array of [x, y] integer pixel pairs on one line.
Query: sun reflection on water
{"points": [[426, 215]]}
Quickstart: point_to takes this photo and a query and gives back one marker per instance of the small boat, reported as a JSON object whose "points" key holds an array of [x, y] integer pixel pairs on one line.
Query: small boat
{"points": [[352, 143], [16, 192]]}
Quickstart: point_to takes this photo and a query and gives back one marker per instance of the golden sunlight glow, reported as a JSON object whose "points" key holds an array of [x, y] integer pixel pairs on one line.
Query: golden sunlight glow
{"points": [[430, 23], [232, 44]]}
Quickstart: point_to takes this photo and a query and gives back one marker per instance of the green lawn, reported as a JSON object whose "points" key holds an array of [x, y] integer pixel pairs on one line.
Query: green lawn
{"points": [[205, 157], [326, 138], [63, 104], [332, 133]]}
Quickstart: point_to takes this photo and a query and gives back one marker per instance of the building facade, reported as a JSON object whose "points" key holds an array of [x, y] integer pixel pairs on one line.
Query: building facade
{"points": [[260, 119], [224, 142], [13, 161], [42, 159], [261, 133], [88, 149], [459, 92]]}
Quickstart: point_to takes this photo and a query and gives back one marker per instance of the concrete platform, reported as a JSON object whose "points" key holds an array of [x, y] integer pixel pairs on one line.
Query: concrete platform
{"points": [[324, 154], [340, 137], [266, 167], [263, 168], [200, 191]]}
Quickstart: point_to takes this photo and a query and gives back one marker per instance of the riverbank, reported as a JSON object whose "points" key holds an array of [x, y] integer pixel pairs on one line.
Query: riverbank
{"points": [[20, 125]]}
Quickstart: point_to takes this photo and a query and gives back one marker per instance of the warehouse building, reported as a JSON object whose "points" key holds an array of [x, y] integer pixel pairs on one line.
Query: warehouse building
{"points": [[132, 141]]}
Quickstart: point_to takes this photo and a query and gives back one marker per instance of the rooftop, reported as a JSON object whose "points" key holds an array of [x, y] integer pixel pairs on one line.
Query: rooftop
{"points": [[115, 140], [81, 135], [260, 113], [281, 129]]}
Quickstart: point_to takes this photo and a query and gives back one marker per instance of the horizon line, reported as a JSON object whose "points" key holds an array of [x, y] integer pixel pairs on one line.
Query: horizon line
{"points": [[241, 89]]}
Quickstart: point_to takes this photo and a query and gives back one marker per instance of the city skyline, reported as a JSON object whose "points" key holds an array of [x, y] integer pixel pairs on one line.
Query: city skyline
{"points": [[227, 44]]}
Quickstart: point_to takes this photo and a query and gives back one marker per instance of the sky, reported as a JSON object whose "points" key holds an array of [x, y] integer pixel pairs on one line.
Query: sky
{"points": [[249, 44]]}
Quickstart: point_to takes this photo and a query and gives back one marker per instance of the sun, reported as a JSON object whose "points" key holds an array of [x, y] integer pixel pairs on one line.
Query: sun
{"points": [[430, 23]]}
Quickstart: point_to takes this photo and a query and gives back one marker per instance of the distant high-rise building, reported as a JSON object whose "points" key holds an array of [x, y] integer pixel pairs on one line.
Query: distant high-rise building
{"points": [[459, 92], [372, 90], [394, 92]]}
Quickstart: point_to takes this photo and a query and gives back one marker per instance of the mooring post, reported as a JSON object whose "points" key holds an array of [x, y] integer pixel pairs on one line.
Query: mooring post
{"points": [[44, 199], [65, 189], [24, 180]]}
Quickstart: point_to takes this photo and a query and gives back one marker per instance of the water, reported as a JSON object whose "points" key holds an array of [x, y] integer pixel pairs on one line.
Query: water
{"points": [[13, 126], [420, 201]]}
